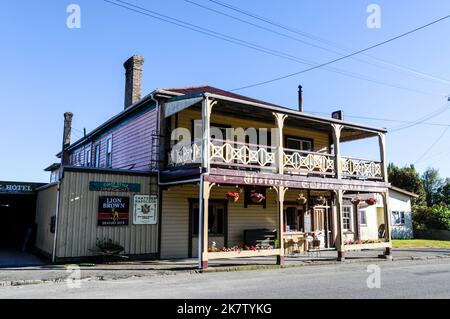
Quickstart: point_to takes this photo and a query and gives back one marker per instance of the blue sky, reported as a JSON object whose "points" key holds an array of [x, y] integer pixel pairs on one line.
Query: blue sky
{"points": [[48, 69]]}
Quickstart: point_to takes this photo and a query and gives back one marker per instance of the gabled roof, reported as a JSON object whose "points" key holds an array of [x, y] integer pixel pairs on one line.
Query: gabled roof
{"points": [[404, 192], [147, 101], [210, 89]]}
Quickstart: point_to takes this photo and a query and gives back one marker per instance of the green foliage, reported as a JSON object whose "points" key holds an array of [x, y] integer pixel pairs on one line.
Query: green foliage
{"points": [[408, 179], [443, 195], [436, 217], [109, 245], [433, 185]]}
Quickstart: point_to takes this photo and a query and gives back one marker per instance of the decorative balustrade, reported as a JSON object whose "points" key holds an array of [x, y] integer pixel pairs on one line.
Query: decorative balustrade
{"points": [[304, 162], [184, 154], [241, 154], [361, 168], [246, 155]]}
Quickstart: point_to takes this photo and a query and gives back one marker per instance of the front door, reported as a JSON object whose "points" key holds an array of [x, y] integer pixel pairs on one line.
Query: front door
{"points": [[321, 225], [217, 225]]}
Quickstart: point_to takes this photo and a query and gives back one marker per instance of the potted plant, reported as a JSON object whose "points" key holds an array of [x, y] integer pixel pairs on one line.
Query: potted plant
{"points": [[356, 200], [257, 197], [301, 199], [321, 200], [371, 201], [109, 247], [233, 196]]}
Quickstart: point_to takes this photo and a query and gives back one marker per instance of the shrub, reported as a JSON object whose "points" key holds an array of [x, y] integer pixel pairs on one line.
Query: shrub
{"points": [[436, 217], [108, 245]]}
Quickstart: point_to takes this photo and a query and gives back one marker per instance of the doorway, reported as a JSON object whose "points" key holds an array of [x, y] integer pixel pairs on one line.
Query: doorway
{"points": [[17, 226], [217, 225]]}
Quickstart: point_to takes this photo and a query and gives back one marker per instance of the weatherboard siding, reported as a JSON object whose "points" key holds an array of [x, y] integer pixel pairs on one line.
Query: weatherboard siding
{"points": [[320, 138], [77, 226], [131, 144], [45, 209]]}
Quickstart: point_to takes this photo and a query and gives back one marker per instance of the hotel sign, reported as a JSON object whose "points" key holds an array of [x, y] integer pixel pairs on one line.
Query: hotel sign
{"points": [[113, 210], [16, 188], [114, 187]]}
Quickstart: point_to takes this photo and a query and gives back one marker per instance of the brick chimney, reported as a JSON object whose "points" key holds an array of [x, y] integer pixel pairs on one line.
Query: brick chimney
{"points": [[133, 79], [66, 137]]}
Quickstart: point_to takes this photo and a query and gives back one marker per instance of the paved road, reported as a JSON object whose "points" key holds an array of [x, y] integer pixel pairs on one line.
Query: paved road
{"points": [[401, 279]]}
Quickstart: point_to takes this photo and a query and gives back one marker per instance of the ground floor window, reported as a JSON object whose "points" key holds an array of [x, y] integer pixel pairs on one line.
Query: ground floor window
{"points": [[362, 218], [216, 218], [294, 219], [398, 217], [347, 217]]}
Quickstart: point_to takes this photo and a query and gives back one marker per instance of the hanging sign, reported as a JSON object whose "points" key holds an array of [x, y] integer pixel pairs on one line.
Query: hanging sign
{"points": [[113, 210], [145, 210]]}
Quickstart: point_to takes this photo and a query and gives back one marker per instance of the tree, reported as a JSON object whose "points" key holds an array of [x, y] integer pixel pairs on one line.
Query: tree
{"points": [[443, 195], [433, 185], [408, 179]]}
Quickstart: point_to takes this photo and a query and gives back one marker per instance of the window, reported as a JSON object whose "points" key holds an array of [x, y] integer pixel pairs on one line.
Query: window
{"points": [[97, 155], [294, 219], [398, 217], [362, 217], [54, 175], [347, 217], [299, 144], [216, 219], [109, 152], [88, 156]]}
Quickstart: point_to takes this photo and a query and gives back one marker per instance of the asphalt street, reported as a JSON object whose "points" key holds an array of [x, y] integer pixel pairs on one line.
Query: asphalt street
{"points": [[401, 279]]}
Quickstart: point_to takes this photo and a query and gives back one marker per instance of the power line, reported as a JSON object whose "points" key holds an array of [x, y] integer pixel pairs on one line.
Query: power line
{"points": [[423, 119], [345, 56], [327, 42], [380, 119], [253, 46], [431, 146]]}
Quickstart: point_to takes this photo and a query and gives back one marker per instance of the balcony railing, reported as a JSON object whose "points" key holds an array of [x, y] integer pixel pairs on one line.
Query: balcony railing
{"points": [[264, 158], [304, 162], [361, 168], [231, 153], [184, 154]]}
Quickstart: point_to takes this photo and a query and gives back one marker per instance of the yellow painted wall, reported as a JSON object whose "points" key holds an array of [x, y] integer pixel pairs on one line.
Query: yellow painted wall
{"points": [[185, 118]]}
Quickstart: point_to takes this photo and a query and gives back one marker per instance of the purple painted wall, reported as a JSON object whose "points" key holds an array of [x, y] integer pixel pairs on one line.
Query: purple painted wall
{"points": [[131, 144]]}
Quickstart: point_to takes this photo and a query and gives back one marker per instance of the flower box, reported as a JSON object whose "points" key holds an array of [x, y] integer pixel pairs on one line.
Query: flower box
{"points": [[233, 196]]}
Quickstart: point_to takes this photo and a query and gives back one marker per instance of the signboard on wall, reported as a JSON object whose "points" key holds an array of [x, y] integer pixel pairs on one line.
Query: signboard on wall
{"points": [[145, 210], [113, 210], [114, 187], [18, 188]]}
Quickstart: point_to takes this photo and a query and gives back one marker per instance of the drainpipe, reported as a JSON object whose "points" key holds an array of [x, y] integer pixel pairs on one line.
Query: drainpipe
{"points": [[58, 186]]}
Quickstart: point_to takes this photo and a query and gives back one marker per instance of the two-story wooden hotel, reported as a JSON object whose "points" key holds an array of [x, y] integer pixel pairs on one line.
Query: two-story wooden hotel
{"points": [[216, 195]]}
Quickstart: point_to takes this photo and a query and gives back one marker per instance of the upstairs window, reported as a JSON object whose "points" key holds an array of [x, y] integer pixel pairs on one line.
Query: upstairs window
{"points": [[108, 152], [88, 157], [97, 155], [299, 144]]}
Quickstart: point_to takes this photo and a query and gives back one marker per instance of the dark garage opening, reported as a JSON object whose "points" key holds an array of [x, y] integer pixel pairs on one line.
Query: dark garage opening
{"points": [[17, 226]]}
